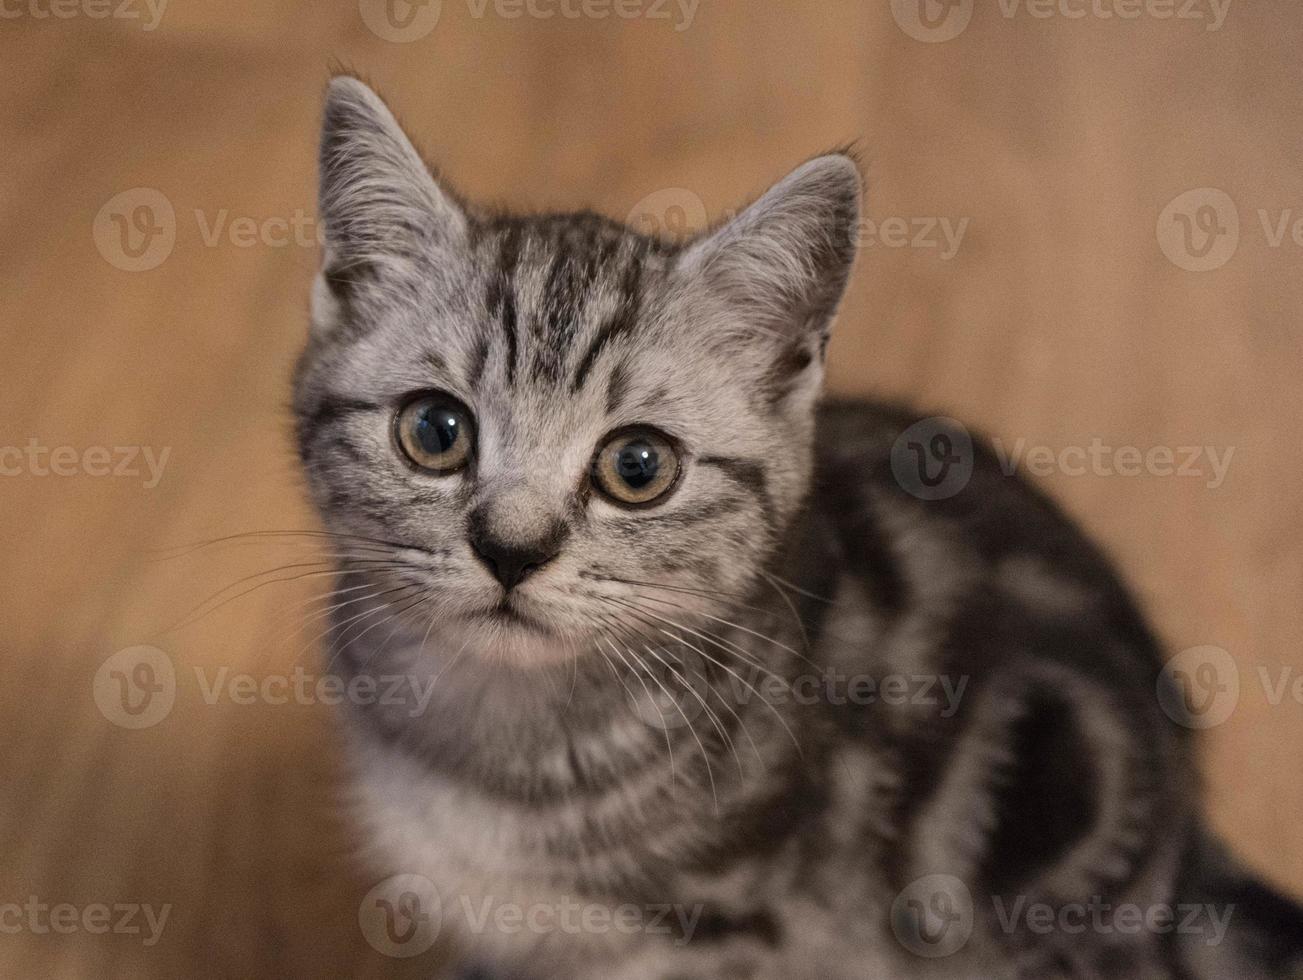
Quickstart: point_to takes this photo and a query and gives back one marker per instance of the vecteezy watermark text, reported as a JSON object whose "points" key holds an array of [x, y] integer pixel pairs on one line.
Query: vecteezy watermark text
{"points": [[686, 10], [680, 701], [678, 214], [934, 459], [938, 21], [41, 918], [1209, 463], [136, 688], [403, 915], [945, 235], [836, 688], [302, 688], [406, 21], [137, 230], [118, 462], [1211, 12], [935, 916], [1100, 917], [572, 917], [148, 12]]}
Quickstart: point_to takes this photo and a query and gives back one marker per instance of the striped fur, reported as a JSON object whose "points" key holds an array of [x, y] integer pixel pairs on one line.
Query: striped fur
{"points": [[782, 829]]}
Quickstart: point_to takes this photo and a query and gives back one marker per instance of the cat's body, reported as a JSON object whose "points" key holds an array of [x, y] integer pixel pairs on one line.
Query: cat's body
{"points": [[797, 716]]}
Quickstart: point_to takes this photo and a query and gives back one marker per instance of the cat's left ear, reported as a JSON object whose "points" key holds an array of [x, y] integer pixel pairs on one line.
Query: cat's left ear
{"points": [[783, 263], [385, 216]]}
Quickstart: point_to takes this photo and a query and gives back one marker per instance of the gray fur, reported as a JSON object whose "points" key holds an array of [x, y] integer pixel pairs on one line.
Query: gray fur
{"points": [[788, 831]]}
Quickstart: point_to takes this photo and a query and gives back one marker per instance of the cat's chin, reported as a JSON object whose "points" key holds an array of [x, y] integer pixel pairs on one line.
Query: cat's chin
{"points": [[507, 638]]}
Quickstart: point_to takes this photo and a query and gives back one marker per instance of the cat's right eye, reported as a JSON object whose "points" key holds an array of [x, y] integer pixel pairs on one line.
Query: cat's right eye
{"points": [[435, 432]]}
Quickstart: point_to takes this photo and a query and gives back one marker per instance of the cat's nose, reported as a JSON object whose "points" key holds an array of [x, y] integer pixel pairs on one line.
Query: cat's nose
{"points": [[511, 562]]}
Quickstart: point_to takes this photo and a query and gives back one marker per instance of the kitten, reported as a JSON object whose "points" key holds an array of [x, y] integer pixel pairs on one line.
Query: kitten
{"points": [[712, 684]]}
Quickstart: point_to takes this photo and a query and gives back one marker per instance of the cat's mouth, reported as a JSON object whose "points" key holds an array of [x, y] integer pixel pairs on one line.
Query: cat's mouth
{"points": [[506, 612]]}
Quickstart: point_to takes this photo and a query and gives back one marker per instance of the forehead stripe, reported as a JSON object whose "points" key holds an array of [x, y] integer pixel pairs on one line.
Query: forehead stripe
{"points": [[622, 321], [502, 295]]}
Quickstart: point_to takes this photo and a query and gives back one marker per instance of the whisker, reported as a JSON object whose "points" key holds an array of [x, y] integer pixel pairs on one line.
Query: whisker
{"points": [[434, 615], [451, 663], [346, 624], [800, 591], [424, 597], [705, 756], [182, 550], [638, 612], [711, 637], [319, 568], [678, 587], [737, 626], [714, 718], [310, 618], [338, 646], [665, 725], [722, 598], [727, 598], [796, 615]]}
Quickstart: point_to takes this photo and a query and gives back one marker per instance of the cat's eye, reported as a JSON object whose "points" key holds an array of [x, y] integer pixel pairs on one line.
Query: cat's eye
{"points": [[435, 432], [636, 466]]}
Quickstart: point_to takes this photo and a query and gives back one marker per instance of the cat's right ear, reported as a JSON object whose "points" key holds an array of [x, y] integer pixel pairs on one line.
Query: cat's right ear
{"points": [[384, 216], [783, 263]]}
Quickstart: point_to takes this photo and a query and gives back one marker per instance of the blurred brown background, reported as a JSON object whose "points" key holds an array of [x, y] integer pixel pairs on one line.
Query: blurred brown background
{"points": [[1066, 305]]}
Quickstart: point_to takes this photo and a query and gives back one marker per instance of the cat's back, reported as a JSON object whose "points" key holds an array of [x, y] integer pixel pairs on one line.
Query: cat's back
{"points": [[961, 576], [917, 500]]}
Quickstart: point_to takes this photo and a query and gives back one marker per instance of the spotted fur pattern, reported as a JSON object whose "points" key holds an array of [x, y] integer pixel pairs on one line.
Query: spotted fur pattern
{"points": [[665, 720]]}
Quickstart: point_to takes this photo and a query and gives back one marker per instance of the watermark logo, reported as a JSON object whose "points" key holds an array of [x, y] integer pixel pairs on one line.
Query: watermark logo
{"points": [[678, 702], [404, 21], [136, 687], [148, 13], [571, 917], [674, 214], [401, 916], [933, 458], [397, 691], [942, 234], [932, 21], [1205, 922], [1200, 687], [1207, 463], [681, 12], [135, 231], [40, 918], [118, 462], [933, 916], [400, 21], [1199, 231], [1211, 13], [677, 214], [1287, 683], [247, 231]]}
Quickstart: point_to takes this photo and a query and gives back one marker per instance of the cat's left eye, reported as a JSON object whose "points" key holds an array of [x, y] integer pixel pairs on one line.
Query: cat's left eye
{"points": [[436, 433], [636, 466]]}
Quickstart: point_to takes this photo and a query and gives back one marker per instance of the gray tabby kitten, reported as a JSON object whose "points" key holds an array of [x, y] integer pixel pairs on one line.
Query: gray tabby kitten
{"points": [[711, 685]]}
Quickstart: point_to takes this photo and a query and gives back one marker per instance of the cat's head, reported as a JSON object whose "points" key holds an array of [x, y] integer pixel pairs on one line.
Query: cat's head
{"points": [[552, 425]]}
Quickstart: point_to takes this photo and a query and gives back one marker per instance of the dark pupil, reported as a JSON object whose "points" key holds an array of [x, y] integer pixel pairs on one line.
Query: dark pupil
{"points": [[637, 463], [436, 431]]}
